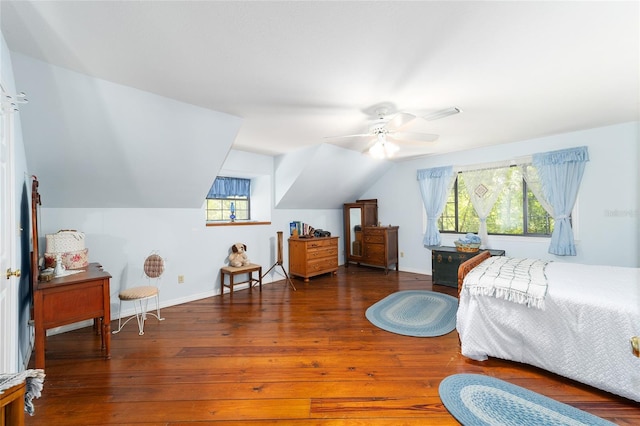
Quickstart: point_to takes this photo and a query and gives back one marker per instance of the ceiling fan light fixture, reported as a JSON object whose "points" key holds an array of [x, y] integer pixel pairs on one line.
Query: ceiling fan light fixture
{"points": [[394, 127], [383, 148], [390, 149], [377, 150]]}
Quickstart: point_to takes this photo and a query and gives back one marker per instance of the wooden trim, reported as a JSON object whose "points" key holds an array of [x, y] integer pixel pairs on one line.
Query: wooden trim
{"points": [[236, 223], [466, 266], [12, 405]]}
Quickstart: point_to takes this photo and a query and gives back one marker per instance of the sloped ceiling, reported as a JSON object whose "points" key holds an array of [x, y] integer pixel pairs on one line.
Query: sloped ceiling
{"points": [[93, 143], [323, 177]]}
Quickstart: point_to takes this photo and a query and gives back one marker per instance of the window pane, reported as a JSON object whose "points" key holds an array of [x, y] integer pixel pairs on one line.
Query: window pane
{"points": [[242, 209], [538, 220], [468, 220], [214, 215], [447, 221], [506, 217]]}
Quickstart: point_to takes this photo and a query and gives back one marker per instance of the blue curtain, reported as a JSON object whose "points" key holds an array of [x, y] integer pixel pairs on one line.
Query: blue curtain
{"points": [[560, 173], [435, 185], [225, 187]]}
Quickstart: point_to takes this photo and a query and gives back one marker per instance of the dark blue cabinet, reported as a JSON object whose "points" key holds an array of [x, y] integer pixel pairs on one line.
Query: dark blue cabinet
{"points": [[445, 262]]}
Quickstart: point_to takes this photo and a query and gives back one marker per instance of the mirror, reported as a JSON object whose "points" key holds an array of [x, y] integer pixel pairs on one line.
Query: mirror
{"points": [[358, 218], [355, 220]]}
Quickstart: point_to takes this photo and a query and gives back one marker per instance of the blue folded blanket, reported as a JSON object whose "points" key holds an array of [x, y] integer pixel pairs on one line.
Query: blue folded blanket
{"points": [[470, 239]]}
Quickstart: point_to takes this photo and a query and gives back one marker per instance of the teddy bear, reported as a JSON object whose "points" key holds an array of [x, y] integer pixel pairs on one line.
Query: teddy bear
{"points": [[238, 257]]}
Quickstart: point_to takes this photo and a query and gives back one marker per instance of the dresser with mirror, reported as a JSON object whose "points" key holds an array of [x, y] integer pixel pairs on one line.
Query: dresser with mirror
{"points": [[366, 242]]}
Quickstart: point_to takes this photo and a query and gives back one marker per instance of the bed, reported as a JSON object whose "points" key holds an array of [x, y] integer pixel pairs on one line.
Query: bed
{"points": [[582, 330]]}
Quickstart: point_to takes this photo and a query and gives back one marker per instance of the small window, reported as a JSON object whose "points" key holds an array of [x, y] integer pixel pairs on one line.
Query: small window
{"points": [[229, 200]]}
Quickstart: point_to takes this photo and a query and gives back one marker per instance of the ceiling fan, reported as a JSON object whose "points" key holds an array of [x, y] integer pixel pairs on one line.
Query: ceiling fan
{"points": [[387, 128]]}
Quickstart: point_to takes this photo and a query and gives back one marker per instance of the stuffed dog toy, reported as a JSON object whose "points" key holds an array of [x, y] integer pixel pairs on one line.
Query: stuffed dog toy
{"points": [[238, 257]]}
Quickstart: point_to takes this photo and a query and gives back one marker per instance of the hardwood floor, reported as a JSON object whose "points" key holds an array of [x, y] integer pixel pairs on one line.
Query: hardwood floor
{"points": [[306, 357]]}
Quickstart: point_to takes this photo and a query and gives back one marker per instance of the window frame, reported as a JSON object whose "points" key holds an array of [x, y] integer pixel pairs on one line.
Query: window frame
{"points": [[226, 212], [525, 215]]}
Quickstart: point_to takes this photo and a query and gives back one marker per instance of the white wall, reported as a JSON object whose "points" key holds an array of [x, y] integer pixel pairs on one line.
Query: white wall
{"points": [[120, 239], [606, 219]]}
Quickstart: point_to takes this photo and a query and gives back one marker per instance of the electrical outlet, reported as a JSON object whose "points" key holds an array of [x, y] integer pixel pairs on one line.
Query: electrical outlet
{"points": [[180, 279]]}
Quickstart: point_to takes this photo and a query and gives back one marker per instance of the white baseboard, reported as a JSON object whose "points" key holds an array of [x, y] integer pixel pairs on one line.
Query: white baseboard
{"points": [[130, 310]]}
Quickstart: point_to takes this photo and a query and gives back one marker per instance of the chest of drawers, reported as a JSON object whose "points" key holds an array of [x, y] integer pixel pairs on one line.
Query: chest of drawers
{"points": [[380, 246], [309, 257]]}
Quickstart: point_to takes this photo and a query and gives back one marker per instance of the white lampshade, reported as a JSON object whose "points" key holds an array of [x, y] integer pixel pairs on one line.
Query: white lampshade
{"points": [[382, 148], [377, 150], [390, 149]]}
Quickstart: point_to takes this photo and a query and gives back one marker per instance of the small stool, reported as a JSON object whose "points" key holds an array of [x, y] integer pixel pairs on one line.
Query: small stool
{"points": [[232, 271]]}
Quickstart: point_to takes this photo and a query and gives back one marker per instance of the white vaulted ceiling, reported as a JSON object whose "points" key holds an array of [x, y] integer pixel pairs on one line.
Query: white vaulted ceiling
{"points": [[297, 72]]}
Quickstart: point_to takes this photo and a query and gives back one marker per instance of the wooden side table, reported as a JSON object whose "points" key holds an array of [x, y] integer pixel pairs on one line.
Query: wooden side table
{"points": [[12, 406], [73, 298], [232, 271]]}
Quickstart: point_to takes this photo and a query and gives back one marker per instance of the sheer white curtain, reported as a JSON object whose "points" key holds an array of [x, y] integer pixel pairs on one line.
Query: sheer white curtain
{"points": [[484, 186], [531, 176]]}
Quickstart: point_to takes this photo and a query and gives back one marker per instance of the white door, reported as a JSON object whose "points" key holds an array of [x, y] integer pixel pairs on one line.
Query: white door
{"points": [[8, 285]]}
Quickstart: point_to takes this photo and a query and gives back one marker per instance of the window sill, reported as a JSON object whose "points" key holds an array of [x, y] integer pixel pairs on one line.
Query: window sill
{"points": [[241, 223]]}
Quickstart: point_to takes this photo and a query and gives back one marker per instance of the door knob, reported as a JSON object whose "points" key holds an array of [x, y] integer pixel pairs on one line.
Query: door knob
{"points": [[15, 273]]}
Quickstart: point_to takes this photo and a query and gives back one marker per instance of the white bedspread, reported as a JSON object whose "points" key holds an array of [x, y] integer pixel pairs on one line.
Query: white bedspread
{"points": [[517, 280], [591, 313]]}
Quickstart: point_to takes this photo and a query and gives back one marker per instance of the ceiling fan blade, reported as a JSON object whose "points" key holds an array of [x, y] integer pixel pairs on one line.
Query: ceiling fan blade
{"points": [[399, 120], [442, 113], [349, 136], [413, 137]]}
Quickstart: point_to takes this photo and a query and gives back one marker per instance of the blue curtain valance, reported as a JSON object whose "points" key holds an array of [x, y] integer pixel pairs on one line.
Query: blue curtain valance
{"points": [[225, 187], [436, 172], [570, 155]]}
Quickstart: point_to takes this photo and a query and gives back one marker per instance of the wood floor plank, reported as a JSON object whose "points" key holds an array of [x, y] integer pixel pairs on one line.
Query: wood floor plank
{"points": [[305, 357], [81, 412], [361, 407], [250, 390]]}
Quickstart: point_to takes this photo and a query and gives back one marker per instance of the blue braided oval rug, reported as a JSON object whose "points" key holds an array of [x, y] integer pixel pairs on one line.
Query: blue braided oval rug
{"points": [[417, 313], [474, 399]]}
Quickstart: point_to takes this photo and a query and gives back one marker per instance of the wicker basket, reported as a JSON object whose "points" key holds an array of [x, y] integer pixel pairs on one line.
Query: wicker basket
{"points": [[467, 247]]}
